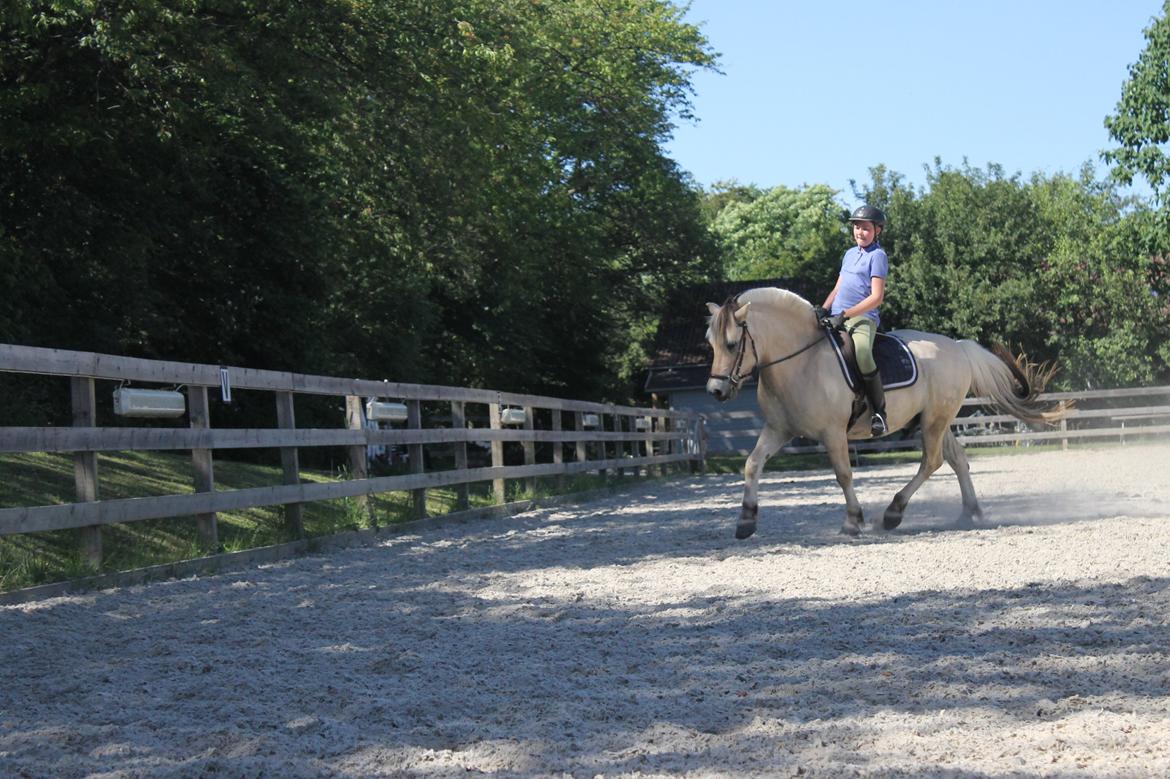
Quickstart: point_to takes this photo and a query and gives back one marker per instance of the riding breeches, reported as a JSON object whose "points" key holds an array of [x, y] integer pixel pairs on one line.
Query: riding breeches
{"points": [[863, 330]]}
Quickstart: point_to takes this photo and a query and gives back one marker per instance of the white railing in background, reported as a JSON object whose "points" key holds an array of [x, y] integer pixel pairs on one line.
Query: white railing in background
{"points": [[1117, 414]]}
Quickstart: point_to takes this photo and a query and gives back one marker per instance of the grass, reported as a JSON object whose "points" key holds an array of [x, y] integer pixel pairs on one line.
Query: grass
{"points": [[40, 479]]}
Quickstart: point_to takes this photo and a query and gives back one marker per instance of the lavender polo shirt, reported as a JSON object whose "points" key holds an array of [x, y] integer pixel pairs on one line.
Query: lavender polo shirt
{"points": [[858, 266]]}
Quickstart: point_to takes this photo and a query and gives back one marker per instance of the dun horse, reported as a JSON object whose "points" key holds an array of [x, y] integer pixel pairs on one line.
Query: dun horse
{"points": [[802, 392]]}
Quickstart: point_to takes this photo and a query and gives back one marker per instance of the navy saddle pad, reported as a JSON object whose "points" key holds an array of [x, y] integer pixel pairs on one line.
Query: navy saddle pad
{"points": [[893, 357]]}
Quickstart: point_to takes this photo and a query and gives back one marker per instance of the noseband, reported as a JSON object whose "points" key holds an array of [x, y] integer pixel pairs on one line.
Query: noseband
{"points": [[735, 378]]}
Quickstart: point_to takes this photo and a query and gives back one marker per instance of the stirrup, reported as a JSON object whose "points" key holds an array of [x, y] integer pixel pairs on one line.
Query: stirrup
{"points": [[877, 424]]}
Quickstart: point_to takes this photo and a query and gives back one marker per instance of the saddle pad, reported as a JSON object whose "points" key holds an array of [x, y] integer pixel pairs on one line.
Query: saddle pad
{"points": [[893, 357]]}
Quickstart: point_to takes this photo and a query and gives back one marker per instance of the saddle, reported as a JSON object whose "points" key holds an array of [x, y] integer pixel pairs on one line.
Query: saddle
{"points": [[894, 360]]}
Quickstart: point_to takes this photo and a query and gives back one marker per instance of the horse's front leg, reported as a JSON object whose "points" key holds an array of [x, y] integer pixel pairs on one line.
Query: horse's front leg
{"points": [[838, 449], [768, 444]]}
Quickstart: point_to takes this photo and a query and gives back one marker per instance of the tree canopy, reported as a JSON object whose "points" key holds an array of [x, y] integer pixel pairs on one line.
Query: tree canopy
{"points": [[1059, 266], [1056, 266], [476, 192], [1141, 124], [468, 192]]}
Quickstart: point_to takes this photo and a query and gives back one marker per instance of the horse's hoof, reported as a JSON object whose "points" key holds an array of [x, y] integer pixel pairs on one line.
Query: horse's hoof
{"points": [[744, 529], [853, 523], [850, 529], [969, 520], [893, 516]]}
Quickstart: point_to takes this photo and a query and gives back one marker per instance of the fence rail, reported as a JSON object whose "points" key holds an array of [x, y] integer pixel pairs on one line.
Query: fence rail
{"points": [[623, 439], [1117, 414]]}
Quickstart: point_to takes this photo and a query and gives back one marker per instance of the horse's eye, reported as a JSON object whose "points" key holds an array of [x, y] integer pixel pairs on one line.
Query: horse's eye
{"points": [[731, 345]]}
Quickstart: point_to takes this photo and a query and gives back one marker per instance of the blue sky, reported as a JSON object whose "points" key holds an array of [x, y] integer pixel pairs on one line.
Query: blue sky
{"points": [[816, 92]]}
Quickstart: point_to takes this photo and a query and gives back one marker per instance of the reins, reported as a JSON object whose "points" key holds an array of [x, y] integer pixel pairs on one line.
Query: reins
{"points": [[735, 378]]}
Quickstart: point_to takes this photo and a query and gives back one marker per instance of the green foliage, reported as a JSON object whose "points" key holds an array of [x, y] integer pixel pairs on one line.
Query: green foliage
{"points": [[781, 233], [1141, 124], [466, 193], [1058, 267]]}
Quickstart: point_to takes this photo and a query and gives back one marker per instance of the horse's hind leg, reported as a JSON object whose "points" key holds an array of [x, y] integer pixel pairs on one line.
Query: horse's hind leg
{"points": [[956, 457], [838, 451], [768, 444], [932, 458]]}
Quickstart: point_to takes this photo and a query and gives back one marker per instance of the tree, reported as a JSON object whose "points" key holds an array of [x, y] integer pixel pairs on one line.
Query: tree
{"points": [[724, 193], [961, 255], [1141, 124], [783, 233], [1054, 266], [471, 192]]}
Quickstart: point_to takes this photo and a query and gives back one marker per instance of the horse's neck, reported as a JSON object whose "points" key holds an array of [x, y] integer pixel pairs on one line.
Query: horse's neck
{"points": [[782, 332]]}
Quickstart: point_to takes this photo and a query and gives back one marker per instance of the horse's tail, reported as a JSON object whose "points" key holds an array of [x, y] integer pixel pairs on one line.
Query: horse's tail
{"points": [[1012, 383]]}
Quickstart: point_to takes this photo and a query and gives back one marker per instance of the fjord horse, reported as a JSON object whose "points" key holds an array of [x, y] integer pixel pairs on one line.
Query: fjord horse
{"points": [[802, 392]]}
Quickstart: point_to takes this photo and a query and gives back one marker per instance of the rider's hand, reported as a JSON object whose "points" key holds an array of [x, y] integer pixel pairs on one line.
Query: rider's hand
{"points": [[821, 313], [837, 321]]}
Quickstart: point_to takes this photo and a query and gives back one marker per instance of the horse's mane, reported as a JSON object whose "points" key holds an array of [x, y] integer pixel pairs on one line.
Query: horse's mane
{"points": [[775, 297], [781, 300]]}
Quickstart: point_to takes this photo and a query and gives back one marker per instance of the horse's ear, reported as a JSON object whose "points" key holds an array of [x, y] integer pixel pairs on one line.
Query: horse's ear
{"points": [[742, 313], [714, 309]]}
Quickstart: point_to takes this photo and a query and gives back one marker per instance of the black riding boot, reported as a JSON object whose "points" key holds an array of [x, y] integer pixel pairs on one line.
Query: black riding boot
{"points": [[877, 402]]}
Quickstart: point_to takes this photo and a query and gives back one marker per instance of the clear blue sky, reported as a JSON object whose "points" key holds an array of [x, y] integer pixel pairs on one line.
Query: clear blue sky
{"points": [[816, 92]]}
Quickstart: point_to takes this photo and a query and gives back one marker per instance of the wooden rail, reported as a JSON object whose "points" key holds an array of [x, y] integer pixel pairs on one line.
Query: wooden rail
{"points": [[671, 438], [1118, 414]]}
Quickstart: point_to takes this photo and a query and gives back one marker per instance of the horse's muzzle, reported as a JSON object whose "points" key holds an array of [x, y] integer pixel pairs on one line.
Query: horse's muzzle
{"points": [[721, 389]]}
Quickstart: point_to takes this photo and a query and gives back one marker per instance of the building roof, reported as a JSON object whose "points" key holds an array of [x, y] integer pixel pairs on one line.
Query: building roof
{"points": [[682, 358]]}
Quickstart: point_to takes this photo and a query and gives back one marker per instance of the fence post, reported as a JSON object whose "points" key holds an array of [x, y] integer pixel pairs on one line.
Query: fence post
{"points": [[414, 422], [200, 419], [529, 448], [85, 467], [359, 456], [701, 433], [558, 449], [668, 445], [619, 447], [294, 513], [497, 452], [648, 444], [603, 472], [459, 422], [579, 426]]}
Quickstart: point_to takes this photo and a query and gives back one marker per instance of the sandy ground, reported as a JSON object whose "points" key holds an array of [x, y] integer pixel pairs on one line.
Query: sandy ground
{"points": [[633, 636]]}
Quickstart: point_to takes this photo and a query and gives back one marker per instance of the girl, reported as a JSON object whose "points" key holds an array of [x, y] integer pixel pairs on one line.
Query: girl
{"points": [[855, 300]]}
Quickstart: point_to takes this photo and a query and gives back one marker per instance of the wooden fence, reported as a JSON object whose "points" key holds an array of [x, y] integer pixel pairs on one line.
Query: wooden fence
{"points": [[622, 439], [1096, 414]]}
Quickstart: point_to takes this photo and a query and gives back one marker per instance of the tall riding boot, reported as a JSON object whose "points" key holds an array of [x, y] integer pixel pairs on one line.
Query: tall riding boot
{"points": [[877, 402]]}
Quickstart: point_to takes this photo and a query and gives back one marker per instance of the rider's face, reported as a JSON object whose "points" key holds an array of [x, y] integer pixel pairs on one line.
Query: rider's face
{"points": [[864, 233]]}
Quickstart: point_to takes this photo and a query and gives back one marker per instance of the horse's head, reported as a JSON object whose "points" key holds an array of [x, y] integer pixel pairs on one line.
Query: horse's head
{"points": [[730, 341]]}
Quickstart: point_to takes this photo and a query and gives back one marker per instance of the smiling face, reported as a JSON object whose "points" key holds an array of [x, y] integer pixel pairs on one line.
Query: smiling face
{"points": [[865, 233]]}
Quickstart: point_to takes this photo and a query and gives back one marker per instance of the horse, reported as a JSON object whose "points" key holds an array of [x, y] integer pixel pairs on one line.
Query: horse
{"points": [[802, 392]]}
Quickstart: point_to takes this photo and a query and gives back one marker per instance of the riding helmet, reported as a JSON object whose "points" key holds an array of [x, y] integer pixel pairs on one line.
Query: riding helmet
{"points": [[869, 214]]}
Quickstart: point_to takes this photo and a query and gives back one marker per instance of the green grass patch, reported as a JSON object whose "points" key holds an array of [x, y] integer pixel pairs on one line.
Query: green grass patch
{"points": [[40, 479]]}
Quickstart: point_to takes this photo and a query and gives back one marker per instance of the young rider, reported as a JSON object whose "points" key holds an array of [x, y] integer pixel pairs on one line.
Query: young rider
{"points": [[855, 300]]}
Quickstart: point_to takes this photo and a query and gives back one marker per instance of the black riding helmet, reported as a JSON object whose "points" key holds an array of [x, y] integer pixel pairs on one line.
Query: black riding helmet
{"points": [[869, 214]]}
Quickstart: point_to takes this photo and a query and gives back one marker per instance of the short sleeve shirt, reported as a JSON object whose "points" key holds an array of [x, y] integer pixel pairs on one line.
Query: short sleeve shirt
{"points": [[858, 267]]}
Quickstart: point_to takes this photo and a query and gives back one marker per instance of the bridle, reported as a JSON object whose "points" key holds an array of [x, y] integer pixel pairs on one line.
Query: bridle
{"points": [[735, 378]]}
